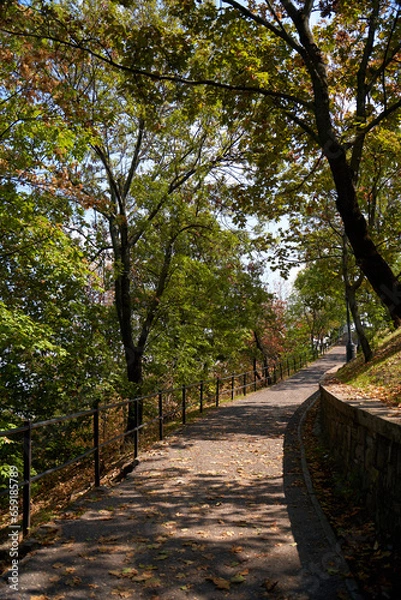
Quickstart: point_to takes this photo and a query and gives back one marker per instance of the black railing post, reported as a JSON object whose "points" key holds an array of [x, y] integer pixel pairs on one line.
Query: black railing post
{"points": [[281, 370], [96, 444], [254, 374], [232, 387], [160, 415], [136, 430], [288, 367], [244, 384], [275, 374], [201, 397], [217, 391], [184, 404], [26, 498]]}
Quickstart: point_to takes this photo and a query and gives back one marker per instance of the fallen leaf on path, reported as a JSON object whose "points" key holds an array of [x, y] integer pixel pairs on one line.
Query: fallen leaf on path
{"points": [[152, 583], [122, 593], [219, 582], [70, 570], [73, 581], [269, 585], [146, 575], [124, 573]]}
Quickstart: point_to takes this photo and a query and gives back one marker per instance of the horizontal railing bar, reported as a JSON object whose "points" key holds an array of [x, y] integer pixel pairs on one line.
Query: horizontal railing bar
{"points": [[62, 419], [67, 464], [21, 429]]}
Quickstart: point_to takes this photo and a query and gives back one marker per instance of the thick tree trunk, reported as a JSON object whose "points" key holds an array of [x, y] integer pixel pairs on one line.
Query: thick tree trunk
{"points": [[134, 361], [134, 352], [133, 355], [122, 298], [372, 264]]}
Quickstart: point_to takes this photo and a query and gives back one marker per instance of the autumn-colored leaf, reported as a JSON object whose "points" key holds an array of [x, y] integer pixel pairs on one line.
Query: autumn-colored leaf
{"points": [[142, 578], [124, 573], [152, 583], [219, 582], [122, 593], [269, 585]]}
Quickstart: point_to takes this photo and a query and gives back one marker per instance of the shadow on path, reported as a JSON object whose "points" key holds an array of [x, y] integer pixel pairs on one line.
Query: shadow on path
{"points": [[218, 510]]}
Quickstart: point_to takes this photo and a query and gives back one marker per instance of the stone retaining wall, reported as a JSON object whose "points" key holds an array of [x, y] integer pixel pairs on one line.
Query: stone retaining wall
{"points": [[365, 438]]}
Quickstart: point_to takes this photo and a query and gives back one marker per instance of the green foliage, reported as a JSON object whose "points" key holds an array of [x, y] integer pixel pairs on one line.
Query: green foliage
{"points": [[316, 312], [10, 452], [49, 330], [120, 171]]}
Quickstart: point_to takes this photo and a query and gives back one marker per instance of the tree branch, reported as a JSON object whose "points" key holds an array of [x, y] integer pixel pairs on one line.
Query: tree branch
{"points": [[307, 10], [135, 159], [362, 89], [301, 123], [383, 115], [155, 76], [279, 32], [113, 184]]}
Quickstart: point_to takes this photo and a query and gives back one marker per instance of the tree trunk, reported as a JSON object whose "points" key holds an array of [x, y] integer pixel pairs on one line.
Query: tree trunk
{"points": [[259, 345], [122, 298], [350, 292], [372, 264], [366, 349], [134, 361]]}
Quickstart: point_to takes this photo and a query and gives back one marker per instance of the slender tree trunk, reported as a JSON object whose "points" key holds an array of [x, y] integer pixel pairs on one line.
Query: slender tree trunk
{"points": [[259, 345], [350, 292], [360, 330]]}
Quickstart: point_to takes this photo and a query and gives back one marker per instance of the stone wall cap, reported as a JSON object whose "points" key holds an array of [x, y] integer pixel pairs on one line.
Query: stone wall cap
{"points": [[384, 419]]}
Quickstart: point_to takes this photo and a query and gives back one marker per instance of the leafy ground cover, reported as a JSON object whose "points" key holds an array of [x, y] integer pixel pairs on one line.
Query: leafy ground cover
{"points": [[380, 378]]}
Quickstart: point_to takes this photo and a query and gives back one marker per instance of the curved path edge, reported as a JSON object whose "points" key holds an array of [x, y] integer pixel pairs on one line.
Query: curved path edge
{"points": [[352, 586]]}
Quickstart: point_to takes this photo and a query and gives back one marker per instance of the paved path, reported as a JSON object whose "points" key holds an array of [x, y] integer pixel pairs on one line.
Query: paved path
{"points": [[219, 510]]}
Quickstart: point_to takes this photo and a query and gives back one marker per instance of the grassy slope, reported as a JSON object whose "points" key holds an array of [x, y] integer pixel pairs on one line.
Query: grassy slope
{"points": [[381, 377]]}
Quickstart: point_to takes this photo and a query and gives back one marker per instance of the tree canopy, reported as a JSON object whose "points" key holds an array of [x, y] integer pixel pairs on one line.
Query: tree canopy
{"points": [[139, 141]]}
